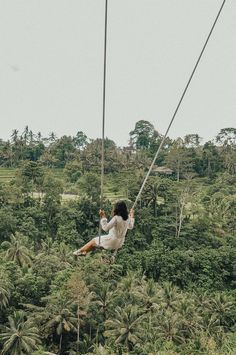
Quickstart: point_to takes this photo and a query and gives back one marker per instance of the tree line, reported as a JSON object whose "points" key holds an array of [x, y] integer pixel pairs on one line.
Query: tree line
{"points": [[183, 155]]}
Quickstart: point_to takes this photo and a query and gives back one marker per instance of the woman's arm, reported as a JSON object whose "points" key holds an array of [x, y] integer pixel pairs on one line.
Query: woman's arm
{"points": [[131, 223], [131, 219], [106, 226]]}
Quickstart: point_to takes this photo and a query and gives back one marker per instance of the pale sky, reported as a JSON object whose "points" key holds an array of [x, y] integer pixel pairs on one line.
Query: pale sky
{"points": [[51, 66]]}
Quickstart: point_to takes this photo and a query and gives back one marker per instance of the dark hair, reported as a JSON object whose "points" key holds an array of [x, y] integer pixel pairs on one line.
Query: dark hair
{"points": [[120, 209]]}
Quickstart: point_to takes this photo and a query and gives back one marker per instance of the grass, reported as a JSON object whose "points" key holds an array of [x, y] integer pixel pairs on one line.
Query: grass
{"points": [[112, 193], [7, 174], [58, 173], [110, 190]]}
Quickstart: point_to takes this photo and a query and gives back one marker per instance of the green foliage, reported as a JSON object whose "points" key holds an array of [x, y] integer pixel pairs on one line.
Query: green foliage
{"points": [[143, 135], [89, 184], [73, 171], [20, 337], [171, 288], [17, 251]]}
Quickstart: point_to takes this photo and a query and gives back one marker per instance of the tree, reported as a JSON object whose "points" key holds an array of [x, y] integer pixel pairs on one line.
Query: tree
{"points": [[179, 158], [61, 318], [91, 156], [103, 299], [32, 174], [125, 327], [48, 159], [191, 320], [227, 140], [151, 193], [17, 251], [226, 136], [142, 135], [184, 197], [62, 321], [39, 137], [14, 135], [169, 296], [148, 293], [20, 337], [79, 294], [80, 140], [52, 137], [223, 306], [73, 170], [192, 140], [6, 154], [8, 220], [31, 137], [4, 292], [63, 150], [170, 327], [229, 159], [25, 134], [89, 184], [51, 202], [211, 161], [126, 288]]}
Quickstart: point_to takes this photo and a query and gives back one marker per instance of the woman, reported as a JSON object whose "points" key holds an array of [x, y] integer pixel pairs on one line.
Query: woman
{"points": [[117, 227]]}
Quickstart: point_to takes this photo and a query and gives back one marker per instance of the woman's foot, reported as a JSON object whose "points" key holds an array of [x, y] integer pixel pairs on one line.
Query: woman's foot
{"points": [[79, 253]]}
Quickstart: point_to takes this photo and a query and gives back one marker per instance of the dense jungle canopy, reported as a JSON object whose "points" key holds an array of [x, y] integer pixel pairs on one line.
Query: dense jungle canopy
{"points": [[172, 287]]}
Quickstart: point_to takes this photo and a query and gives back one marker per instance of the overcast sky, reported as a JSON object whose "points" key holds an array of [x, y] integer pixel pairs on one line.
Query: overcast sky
{"points": [[51, 66]]}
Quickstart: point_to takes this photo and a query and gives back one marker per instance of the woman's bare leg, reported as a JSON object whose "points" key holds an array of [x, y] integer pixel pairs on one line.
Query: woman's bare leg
{"points": [[89, 246], [86, 248]]}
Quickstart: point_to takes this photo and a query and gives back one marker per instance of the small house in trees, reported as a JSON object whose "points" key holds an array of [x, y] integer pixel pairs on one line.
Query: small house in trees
{"points": [[162, 170]]}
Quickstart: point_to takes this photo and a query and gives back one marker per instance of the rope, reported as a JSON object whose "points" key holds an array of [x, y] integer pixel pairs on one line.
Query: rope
{"points": [[103, 115], [179, 103]]}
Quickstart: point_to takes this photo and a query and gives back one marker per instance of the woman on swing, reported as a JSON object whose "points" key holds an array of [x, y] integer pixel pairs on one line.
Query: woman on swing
{"points": [[122, 221]]}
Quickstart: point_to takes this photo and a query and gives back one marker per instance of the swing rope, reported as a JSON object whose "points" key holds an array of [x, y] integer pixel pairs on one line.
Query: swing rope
{"points": [[103, 116], [179, 104]]}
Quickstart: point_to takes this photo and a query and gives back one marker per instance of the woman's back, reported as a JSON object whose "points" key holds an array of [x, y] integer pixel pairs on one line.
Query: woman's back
{"points": [[117, 226]]}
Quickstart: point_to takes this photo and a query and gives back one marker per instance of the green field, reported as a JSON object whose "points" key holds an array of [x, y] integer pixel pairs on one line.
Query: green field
{"points": [[6, 174]]}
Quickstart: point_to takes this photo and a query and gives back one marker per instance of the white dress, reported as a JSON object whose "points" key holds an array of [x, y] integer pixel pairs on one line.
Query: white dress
{"points": [[117, 228]]}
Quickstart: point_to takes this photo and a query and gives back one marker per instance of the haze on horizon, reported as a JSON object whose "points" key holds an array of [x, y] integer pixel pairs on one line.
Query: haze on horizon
{"points": [[51, 66]]}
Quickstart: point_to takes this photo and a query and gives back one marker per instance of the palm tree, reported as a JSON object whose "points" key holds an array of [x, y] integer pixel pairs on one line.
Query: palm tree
{"points": [[148, 292], [63, 321], [39, 137], [126, 289], [4, 295], [191, 318], [14, 135], [223, 306], [151, 193], [7, 154], [25, 134], [125, 328], [47, 247], [170, 327], [103, 298], [80, 296], [52, 137], [16, 250], [20, 337], [98, 349], [64, 254], [31, 137], [169, 297]]}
